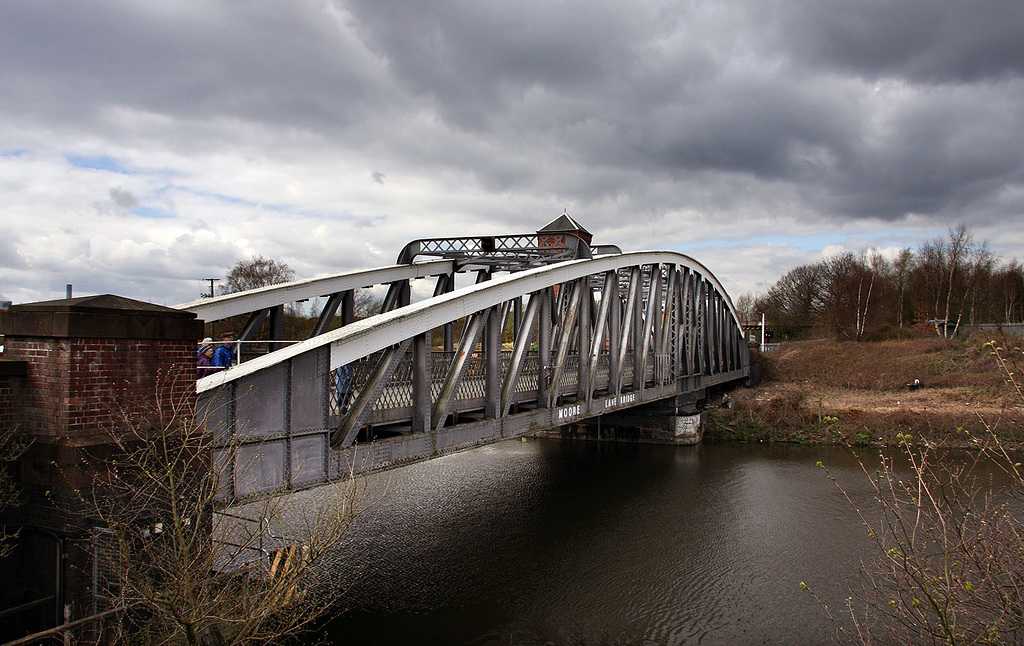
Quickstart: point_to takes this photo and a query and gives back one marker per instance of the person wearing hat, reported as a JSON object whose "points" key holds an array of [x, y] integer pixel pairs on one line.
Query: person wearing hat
{"points": [[203, 358]]}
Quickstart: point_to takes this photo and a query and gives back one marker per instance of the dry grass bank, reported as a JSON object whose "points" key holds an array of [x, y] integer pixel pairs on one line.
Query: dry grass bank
{"points": [[860, 393]]}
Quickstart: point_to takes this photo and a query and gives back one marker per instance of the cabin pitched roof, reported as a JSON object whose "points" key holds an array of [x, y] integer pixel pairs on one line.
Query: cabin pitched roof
{"points": [[563, 224]]}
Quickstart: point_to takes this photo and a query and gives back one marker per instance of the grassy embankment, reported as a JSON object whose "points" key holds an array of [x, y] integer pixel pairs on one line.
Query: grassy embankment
{"points": [[857, 393]]}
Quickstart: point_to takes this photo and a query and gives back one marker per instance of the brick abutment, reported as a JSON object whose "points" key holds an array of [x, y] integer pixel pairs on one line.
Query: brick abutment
{"points": [[72, 371]]}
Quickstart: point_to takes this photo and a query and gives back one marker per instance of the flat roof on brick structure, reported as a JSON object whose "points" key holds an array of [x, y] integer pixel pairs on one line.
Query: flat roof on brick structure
{"points": [[102, 316]]}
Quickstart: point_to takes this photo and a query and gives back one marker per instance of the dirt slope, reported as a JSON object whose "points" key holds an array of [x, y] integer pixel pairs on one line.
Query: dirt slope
{"points": [[865, 393]]}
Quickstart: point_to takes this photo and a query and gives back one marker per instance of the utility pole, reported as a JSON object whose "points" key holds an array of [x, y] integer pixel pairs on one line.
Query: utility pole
{"points": [[211, 285]]}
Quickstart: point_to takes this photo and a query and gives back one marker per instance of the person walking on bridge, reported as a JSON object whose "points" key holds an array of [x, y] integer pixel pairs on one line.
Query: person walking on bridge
{"points": [[224, 357]]}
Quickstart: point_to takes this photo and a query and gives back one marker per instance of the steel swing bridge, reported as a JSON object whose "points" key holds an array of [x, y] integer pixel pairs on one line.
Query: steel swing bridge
{"points": [[552, 331]]}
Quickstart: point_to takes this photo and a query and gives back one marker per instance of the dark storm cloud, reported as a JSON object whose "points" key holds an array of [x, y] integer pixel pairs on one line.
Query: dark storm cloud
{"points": [[935, 157], [261, 61], [476, 58], [930, 41], [782, 92]]}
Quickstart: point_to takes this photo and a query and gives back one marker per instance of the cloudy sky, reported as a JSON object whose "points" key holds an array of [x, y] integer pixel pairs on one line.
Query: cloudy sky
{"points": [[146, 145]]}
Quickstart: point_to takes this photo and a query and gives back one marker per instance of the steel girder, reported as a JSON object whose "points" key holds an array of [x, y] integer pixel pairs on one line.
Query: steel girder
{"points": [[265, 298], [580, 337]]}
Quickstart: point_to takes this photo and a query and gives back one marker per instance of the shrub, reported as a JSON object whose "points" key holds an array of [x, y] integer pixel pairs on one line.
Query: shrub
{"points": [[947, 566]]}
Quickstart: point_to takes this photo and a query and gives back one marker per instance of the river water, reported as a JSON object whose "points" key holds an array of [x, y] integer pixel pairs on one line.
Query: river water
{"points": [[561, 542]]}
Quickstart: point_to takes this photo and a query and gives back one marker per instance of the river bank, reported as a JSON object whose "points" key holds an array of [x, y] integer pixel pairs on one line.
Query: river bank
{"points": [[950, 392]]}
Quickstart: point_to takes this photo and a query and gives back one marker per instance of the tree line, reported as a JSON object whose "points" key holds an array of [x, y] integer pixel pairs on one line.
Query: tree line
{"points": [[947, 282]]}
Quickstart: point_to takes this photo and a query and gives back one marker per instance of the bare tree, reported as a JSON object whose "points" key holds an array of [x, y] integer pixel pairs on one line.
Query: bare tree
{"points": [[367, 304], [256, 272], [796, 301], [900, 276], [12, 447], [875, 265], [842, 293], [948, 271], [746, 308], [187, 573], [957, 250], [1009, 283]]}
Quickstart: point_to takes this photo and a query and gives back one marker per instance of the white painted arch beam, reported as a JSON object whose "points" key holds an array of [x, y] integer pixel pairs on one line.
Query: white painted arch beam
{"points": [[254, 300]]}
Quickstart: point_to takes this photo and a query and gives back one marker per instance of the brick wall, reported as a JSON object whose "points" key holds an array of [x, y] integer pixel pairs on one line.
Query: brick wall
{"points": [[90, 360], [44, 389], [12, 388], [77, 387]]}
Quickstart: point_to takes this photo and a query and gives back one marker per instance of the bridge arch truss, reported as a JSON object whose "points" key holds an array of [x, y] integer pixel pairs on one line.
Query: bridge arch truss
{"points": [[535, 349]]}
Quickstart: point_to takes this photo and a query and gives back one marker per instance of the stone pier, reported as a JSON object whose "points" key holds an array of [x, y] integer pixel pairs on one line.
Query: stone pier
{"points": [[671, 421]]}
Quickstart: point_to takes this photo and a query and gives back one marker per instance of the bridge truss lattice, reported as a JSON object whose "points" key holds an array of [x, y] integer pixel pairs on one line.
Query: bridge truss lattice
{"points": [[533, 349]]}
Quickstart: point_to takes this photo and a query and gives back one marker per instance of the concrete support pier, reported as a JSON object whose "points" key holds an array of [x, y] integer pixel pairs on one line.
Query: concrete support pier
{"points": [[671, 421], [643, 429]]}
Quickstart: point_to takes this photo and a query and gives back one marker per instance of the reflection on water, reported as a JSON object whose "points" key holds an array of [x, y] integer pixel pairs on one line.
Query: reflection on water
{"points": [[547, 541]]}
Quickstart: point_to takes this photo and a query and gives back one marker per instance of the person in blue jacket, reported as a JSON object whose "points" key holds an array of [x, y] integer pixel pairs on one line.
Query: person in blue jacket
{"points": [[224, 356]]}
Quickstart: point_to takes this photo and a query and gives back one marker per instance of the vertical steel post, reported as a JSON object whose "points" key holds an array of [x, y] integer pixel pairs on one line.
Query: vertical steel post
{"points": [[727, 336], [705, 326], [584, 340], [543, 345], [678, 360], [449, 328], [492, 362], [421, 383], [685, 333], [348, 307], [719, 329], [517, 316], [276, 326], [762, 331], [614, 297]]}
